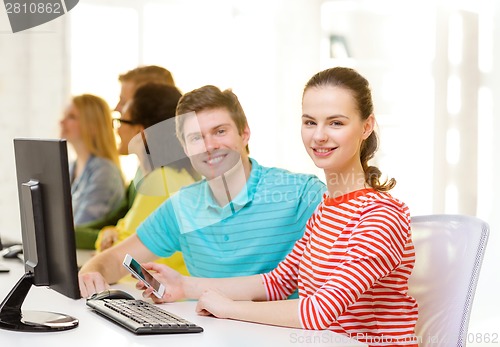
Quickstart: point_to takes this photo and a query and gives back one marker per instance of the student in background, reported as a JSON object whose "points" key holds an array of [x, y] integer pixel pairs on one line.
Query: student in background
{"points": [[353, 263], [148, 114], [134, 78], [96, 180], [241, 219], [86, 233]]}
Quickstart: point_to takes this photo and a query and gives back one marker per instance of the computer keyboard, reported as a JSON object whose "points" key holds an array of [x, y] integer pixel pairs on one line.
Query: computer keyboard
{"points": [[142, 317]]}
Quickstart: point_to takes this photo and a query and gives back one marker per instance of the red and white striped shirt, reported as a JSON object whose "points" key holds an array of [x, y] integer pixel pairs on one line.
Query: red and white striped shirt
{"points": [[351, 268]]}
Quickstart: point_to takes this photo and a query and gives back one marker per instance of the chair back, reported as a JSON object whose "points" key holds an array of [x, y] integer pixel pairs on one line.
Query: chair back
{"points": [[449, 251]]}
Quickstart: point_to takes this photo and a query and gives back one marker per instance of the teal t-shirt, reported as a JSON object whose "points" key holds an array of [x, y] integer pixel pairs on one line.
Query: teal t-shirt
{"points": [[248, 236]]}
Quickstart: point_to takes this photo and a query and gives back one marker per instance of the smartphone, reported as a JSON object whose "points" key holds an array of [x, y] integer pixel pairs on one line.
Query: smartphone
{"points": [[142, 274]]}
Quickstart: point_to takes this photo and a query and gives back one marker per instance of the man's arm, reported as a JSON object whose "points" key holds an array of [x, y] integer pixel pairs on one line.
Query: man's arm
{"points": [[106, 267]]}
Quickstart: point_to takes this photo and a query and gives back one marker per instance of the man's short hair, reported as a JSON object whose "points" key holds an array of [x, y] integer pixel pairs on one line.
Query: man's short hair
{"points": [[147, 74], [208, 98]]}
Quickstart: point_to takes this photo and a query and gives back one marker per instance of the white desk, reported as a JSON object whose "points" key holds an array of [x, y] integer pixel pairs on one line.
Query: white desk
{"points": [[95, 331]]}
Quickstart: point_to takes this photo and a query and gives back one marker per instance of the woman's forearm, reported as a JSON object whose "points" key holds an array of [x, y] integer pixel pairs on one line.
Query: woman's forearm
{"points": [[236, 288], [281, 313]]}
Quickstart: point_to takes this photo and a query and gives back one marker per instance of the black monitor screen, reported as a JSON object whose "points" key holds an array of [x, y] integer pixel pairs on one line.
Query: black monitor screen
{"points": [[46, 224]]}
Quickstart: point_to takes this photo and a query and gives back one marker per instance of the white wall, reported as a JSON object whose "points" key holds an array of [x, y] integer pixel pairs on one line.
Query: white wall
{"points": [[33, 87]]}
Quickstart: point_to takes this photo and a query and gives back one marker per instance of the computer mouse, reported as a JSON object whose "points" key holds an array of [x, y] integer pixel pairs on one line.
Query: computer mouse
{"points": [[111, 294], [12, 251]]}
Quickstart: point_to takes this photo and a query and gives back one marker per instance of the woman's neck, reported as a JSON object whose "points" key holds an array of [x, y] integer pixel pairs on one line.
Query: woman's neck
{"points": [[342, 182]]}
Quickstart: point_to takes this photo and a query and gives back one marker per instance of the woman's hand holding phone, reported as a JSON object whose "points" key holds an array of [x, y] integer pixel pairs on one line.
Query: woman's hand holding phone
{"points": [[142, 274], [169, 278]]}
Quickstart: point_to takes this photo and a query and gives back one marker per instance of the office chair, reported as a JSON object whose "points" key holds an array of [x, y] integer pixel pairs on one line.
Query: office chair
{"points": [[449, 252]]}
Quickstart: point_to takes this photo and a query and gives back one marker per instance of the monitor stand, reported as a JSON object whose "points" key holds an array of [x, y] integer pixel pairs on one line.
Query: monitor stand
{"points": [[12, 318]]}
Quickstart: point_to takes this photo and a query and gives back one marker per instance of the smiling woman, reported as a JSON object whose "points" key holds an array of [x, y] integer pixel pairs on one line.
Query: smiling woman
{"points": [[338, 130]]}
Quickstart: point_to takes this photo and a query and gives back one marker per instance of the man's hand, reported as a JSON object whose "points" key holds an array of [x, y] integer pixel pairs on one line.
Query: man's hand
{"points": [[90, 283], [109, 237]]}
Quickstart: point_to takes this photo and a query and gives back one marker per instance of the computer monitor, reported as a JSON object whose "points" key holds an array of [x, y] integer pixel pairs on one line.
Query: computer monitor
{"points": [[47, 234]]}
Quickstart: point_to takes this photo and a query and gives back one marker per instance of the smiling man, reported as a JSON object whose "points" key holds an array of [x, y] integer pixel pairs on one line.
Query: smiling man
{"points": [[241, 219]]}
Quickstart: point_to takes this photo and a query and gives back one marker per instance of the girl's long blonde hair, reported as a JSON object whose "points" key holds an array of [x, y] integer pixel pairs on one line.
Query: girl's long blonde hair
{"points": [[96, 126]]}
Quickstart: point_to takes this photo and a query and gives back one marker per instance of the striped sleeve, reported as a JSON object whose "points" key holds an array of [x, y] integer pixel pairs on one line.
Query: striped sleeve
{"points": [[375, 247]]}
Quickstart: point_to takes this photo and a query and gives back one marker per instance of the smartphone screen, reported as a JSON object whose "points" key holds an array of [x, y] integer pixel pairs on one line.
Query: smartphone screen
{"points": [[143, 275]]}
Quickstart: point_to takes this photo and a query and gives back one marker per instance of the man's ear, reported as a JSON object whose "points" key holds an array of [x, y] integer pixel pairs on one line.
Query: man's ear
{"points": [[368, 126], [245, 134]]}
